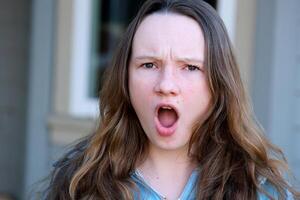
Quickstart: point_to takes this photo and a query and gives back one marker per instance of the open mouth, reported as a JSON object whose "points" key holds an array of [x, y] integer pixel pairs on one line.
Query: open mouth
{"points": [[167, 116], [166, 120]]}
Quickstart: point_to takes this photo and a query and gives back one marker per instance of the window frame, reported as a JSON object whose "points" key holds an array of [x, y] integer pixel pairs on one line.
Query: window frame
{"points": [[81, 104]]}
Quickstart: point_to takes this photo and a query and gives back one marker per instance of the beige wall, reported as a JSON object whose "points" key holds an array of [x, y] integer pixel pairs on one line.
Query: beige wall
{"points": [[63, 52], [244, 38]]}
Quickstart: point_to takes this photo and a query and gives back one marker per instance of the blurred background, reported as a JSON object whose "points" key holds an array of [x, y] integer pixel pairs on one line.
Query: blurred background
{"points": [[52, 57]]}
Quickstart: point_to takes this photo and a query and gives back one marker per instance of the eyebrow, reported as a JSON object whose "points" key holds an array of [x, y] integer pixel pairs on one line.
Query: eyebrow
{"points": [[182, 59]]}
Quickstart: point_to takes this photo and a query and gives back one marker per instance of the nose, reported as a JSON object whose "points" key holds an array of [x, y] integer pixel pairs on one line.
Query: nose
{"points": [[167, 83]]}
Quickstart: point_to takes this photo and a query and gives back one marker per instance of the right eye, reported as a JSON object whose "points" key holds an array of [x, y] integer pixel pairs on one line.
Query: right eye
{"points": [[148, 65]]}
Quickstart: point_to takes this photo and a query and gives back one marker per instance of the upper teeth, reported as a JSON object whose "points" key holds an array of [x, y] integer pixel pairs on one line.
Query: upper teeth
{"points": [[167, 107]]}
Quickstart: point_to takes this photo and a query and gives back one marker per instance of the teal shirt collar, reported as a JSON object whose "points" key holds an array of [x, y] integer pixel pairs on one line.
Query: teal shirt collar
{"points": [[146, 192]]}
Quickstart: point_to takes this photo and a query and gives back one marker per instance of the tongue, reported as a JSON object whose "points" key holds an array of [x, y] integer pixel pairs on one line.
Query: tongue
{"points": [[167, 117]]}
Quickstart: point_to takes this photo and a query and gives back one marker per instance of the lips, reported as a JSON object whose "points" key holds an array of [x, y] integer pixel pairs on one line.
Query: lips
{"points": [[166, 119]]}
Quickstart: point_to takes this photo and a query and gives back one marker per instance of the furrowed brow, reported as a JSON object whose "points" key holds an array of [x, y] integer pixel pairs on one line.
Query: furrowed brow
{"points": [[183, 59], [145, 57], [190, 60]]}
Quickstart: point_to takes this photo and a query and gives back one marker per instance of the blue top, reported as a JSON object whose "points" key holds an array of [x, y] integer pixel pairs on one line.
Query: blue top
{"points": [[146, 192]]}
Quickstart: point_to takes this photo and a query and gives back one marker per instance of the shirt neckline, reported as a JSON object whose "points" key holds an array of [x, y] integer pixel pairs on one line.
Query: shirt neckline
{"points": [[189, 186]]}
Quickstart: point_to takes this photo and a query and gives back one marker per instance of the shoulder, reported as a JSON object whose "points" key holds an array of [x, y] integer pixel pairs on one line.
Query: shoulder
{"points": [[63, 171], [270, 189]]}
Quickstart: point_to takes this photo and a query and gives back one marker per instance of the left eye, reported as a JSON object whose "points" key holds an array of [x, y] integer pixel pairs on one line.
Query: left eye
{"points": [[148, 65], [192, 67]]}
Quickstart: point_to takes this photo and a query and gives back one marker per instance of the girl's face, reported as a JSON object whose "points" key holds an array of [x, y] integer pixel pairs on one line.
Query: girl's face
{"points": [[167, 79]]}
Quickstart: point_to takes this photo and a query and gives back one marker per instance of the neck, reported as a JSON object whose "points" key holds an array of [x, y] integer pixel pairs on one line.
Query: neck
{"points": [[167, 171], [161, 162]]}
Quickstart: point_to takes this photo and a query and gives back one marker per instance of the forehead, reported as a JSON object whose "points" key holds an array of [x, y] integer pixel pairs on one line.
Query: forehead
{"points": [[164, 33]]}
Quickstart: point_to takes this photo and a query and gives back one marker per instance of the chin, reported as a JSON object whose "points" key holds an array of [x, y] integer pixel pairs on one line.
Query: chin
{"points": [[170, 146]]}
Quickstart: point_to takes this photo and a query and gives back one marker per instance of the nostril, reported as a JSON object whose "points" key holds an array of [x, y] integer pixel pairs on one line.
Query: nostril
{"points": [[167, 87]]}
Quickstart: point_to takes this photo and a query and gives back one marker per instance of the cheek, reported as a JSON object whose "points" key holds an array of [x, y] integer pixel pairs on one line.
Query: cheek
{"points": [[197, 96], [139, 91], [138, 87]]}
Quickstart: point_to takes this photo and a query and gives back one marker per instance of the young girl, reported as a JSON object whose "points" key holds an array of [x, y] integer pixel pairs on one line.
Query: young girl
{"points": [[175, 122]]}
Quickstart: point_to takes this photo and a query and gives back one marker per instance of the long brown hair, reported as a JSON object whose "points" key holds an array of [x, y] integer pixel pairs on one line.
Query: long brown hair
{"points": [[229, 146]]}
